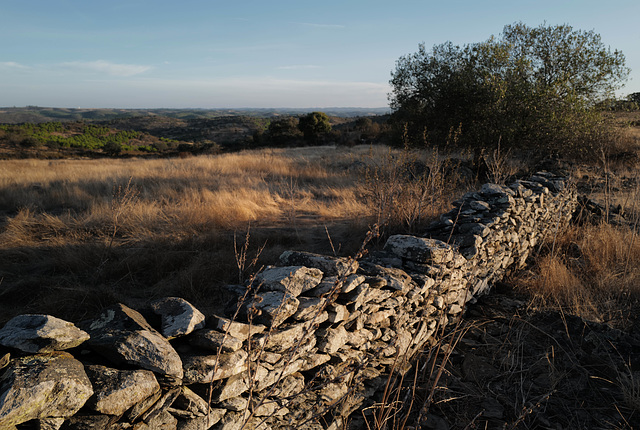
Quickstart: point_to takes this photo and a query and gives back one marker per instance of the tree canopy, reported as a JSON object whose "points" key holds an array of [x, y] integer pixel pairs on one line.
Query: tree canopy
{"points": [[313, 125], [530, 87]]}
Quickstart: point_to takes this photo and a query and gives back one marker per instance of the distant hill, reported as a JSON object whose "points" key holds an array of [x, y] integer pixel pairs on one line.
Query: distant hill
{"points": [[37, 114]]}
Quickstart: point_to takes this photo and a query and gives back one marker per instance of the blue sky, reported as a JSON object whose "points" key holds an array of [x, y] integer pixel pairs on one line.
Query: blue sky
{"points": [[217, 54]]}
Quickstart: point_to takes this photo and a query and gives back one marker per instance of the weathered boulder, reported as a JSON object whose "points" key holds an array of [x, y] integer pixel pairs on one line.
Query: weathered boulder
{"points": [[179, 317], [272, 308], [419, 249], [41, 333], [207, 368], [52, 385], [123, 336], [214, 340], [330, 266], [289, 279], [115, 391]]}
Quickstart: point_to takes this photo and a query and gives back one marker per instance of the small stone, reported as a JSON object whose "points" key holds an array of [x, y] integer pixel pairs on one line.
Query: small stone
{"points": [[141, 407], [338, 313], [50, 423], [190, 402], [308, 308], [160, 407], [204, 422]]}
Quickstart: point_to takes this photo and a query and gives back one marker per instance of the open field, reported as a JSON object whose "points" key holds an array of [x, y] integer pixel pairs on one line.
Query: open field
{"points": [[79, 234]]}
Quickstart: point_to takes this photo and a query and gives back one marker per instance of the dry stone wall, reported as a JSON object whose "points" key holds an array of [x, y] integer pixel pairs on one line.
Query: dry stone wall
{"points": [[311, 342]]}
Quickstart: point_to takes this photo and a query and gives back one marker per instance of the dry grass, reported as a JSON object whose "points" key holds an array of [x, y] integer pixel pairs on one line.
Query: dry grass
{"points": [[175, 197], [92, 232], [593, 271]]}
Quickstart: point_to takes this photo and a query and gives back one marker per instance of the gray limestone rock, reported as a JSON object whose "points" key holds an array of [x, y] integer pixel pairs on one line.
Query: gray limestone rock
{"points": [[204, 422], [214, 340], [419, 249], [237, 329], [289, 279], [330, 266], [308, 308], [52, 385], [115, 391], [50, 423], [123, 336], [141, 407], [190, 402], [335, 284], [41, 333], [179, 317], [333, 339], [207, 368], [272, 308], [161, 406]]}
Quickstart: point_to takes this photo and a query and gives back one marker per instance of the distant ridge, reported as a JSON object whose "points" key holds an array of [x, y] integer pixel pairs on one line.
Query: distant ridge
{"points": [[36, 114]]}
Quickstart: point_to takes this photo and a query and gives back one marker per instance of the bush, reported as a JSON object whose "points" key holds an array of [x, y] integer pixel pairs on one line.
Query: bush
{"points": [[30, 142], [112, 148]]}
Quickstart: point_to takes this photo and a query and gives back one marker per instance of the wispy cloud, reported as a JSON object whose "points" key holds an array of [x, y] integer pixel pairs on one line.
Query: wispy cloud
{"points": [[298, 67], [311, 24], [112, 69], [12, 65]]}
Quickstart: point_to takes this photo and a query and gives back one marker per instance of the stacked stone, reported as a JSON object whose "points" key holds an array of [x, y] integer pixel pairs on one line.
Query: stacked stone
{"points": [[312, 341]]}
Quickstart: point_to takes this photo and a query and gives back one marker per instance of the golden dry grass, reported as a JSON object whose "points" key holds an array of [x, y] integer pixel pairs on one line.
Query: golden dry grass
{"points": [[172, 197], [104, 230], [593, 272]]}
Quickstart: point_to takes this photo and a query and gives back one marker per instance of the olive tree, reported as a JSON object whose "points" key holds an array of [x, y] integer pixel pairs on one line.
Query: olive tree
{"points": [[529, 87]]}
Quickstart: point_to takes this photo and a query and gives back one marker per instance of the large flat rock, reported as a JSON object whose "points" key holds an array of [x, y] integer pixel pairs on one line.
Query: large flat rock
{"points": [[41, 333], [52, 385]]}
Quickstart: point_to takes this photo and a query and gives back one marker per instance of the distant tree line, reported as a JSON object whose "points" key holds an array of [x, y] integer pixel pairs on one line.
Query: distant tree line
{"points": [[74, 135]]}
